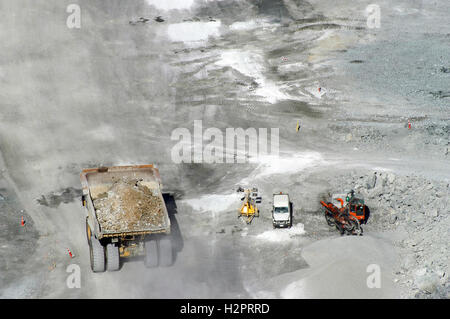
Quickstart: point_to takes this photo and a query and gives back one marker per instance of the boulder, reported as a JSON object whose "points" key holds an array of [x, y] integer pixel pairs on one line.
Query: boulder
{"points": [[371, 181]]}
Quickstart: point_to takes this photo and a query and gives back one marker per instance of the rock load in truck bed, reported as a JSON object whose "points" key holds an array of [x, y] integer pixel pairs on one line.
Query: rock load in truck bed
{"points": [[129, 206]]}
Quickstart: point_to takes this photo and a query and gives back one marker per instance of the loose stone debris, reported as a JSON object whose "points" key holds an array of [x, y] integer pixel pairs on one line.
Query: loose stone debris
{"points": [[129, 206]]}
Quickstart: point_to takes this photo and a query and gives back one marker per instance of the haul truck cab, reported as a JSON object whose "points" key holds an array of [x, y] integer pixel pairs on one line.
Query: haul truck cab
{"points": [[281, 211]]}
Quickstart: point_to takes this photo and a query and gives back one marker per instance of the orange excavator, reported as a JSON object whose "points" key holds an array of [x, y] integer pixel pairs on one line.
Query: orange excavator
{"points": [[349, 217]]}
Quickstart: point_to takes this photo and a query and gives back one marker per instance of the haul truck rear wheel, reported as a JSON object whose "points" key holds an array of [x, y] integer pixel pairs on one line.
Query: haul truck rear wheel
{"points": [[151, 254], [112, 257], [165, 252], [97, 252]]}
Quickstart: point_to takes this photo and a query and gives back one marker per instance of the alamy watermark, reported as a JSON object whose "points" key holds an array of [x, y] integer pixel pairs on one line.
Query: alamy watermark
{"points": [[74, 279], [235, 146], [374, 279], [373, 13], [74, 19]]}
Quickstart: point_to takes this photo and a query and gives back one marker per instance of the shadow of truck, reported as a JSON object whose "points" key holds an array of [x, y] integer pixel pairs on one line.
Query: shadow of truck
{"points": [[176, 236]]}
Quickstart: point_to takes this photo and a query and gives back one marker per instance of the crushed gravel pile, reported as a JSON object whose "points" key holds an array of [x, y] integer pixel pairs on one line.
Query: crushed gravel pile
{"points": [[129, 206], [418, 209]]}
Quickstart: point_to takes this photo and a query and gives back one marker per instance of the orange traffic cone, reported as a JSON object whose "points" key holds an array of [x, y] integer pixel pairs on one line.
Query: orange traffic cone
{"points": [[22, 222], [409, 125], [70, 253]]}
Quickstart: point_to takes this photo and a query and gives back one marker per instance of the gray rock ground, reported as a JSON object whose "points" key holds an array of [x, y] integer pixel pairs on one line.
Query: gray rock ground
{"points": [[112, 92]]}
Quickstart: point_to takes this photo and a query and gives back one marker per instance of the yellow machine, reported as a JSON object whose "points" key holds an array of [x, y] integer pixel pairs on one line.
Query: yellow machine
{"points": [[248, 208]]}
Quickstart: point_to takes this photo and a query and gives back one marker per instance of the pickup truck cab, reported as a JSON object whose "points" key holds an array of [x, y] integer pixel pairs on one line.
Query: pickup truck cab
{"points": [[281, 211]]}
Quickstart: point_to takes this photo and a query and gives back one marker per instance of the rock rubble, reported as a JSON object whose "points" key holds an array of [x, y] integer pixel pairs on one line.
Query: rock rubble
{"points": [[129, 206], [419, 209]]}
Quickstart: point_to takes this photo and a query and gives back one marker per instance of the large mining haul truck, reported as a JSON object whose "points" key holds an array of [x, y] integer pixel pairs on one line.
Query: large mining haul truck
{"points": [[126, 216]]}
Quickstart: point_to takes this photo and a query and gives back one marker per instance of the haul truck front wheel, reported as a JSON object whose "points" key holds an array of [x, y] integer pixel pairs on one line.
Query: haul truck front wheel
{"points": [[97, 252], [112, 257]]}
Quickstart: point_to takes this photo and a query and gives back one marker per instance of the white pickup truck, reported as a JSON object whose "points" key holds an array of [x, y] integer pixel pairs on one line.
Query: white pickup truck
{"points": [[281, 211]]}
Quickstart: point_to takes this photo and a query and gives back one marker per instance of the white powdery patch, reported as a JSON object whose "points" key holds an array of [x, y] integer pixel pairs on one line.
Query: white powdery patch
{"points": [[294, 290], [246, 62], [271, 165], [193, 31], [244, 25], [249, 25], [214, 203], [292, 67], [171, 4], [281, 235], [251, 63]]}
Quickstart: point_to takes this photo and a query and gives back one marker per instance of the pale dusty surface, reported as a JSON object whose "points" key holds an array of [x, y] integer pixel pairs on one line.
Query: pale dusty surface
{"points": [[112, 93]]}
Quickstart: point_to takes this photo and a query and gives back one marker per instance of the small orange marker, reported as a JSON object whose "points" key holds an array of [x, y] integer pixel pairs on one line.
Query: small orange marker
{"points": [[409, 125], [22, 222], [70, 253], [320, 89]]}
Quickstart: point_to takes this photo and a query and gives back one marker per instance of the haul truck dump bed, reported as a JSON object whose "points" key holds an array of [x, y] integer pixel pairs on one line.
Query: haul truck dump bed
{"points": [[126, 216]]}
